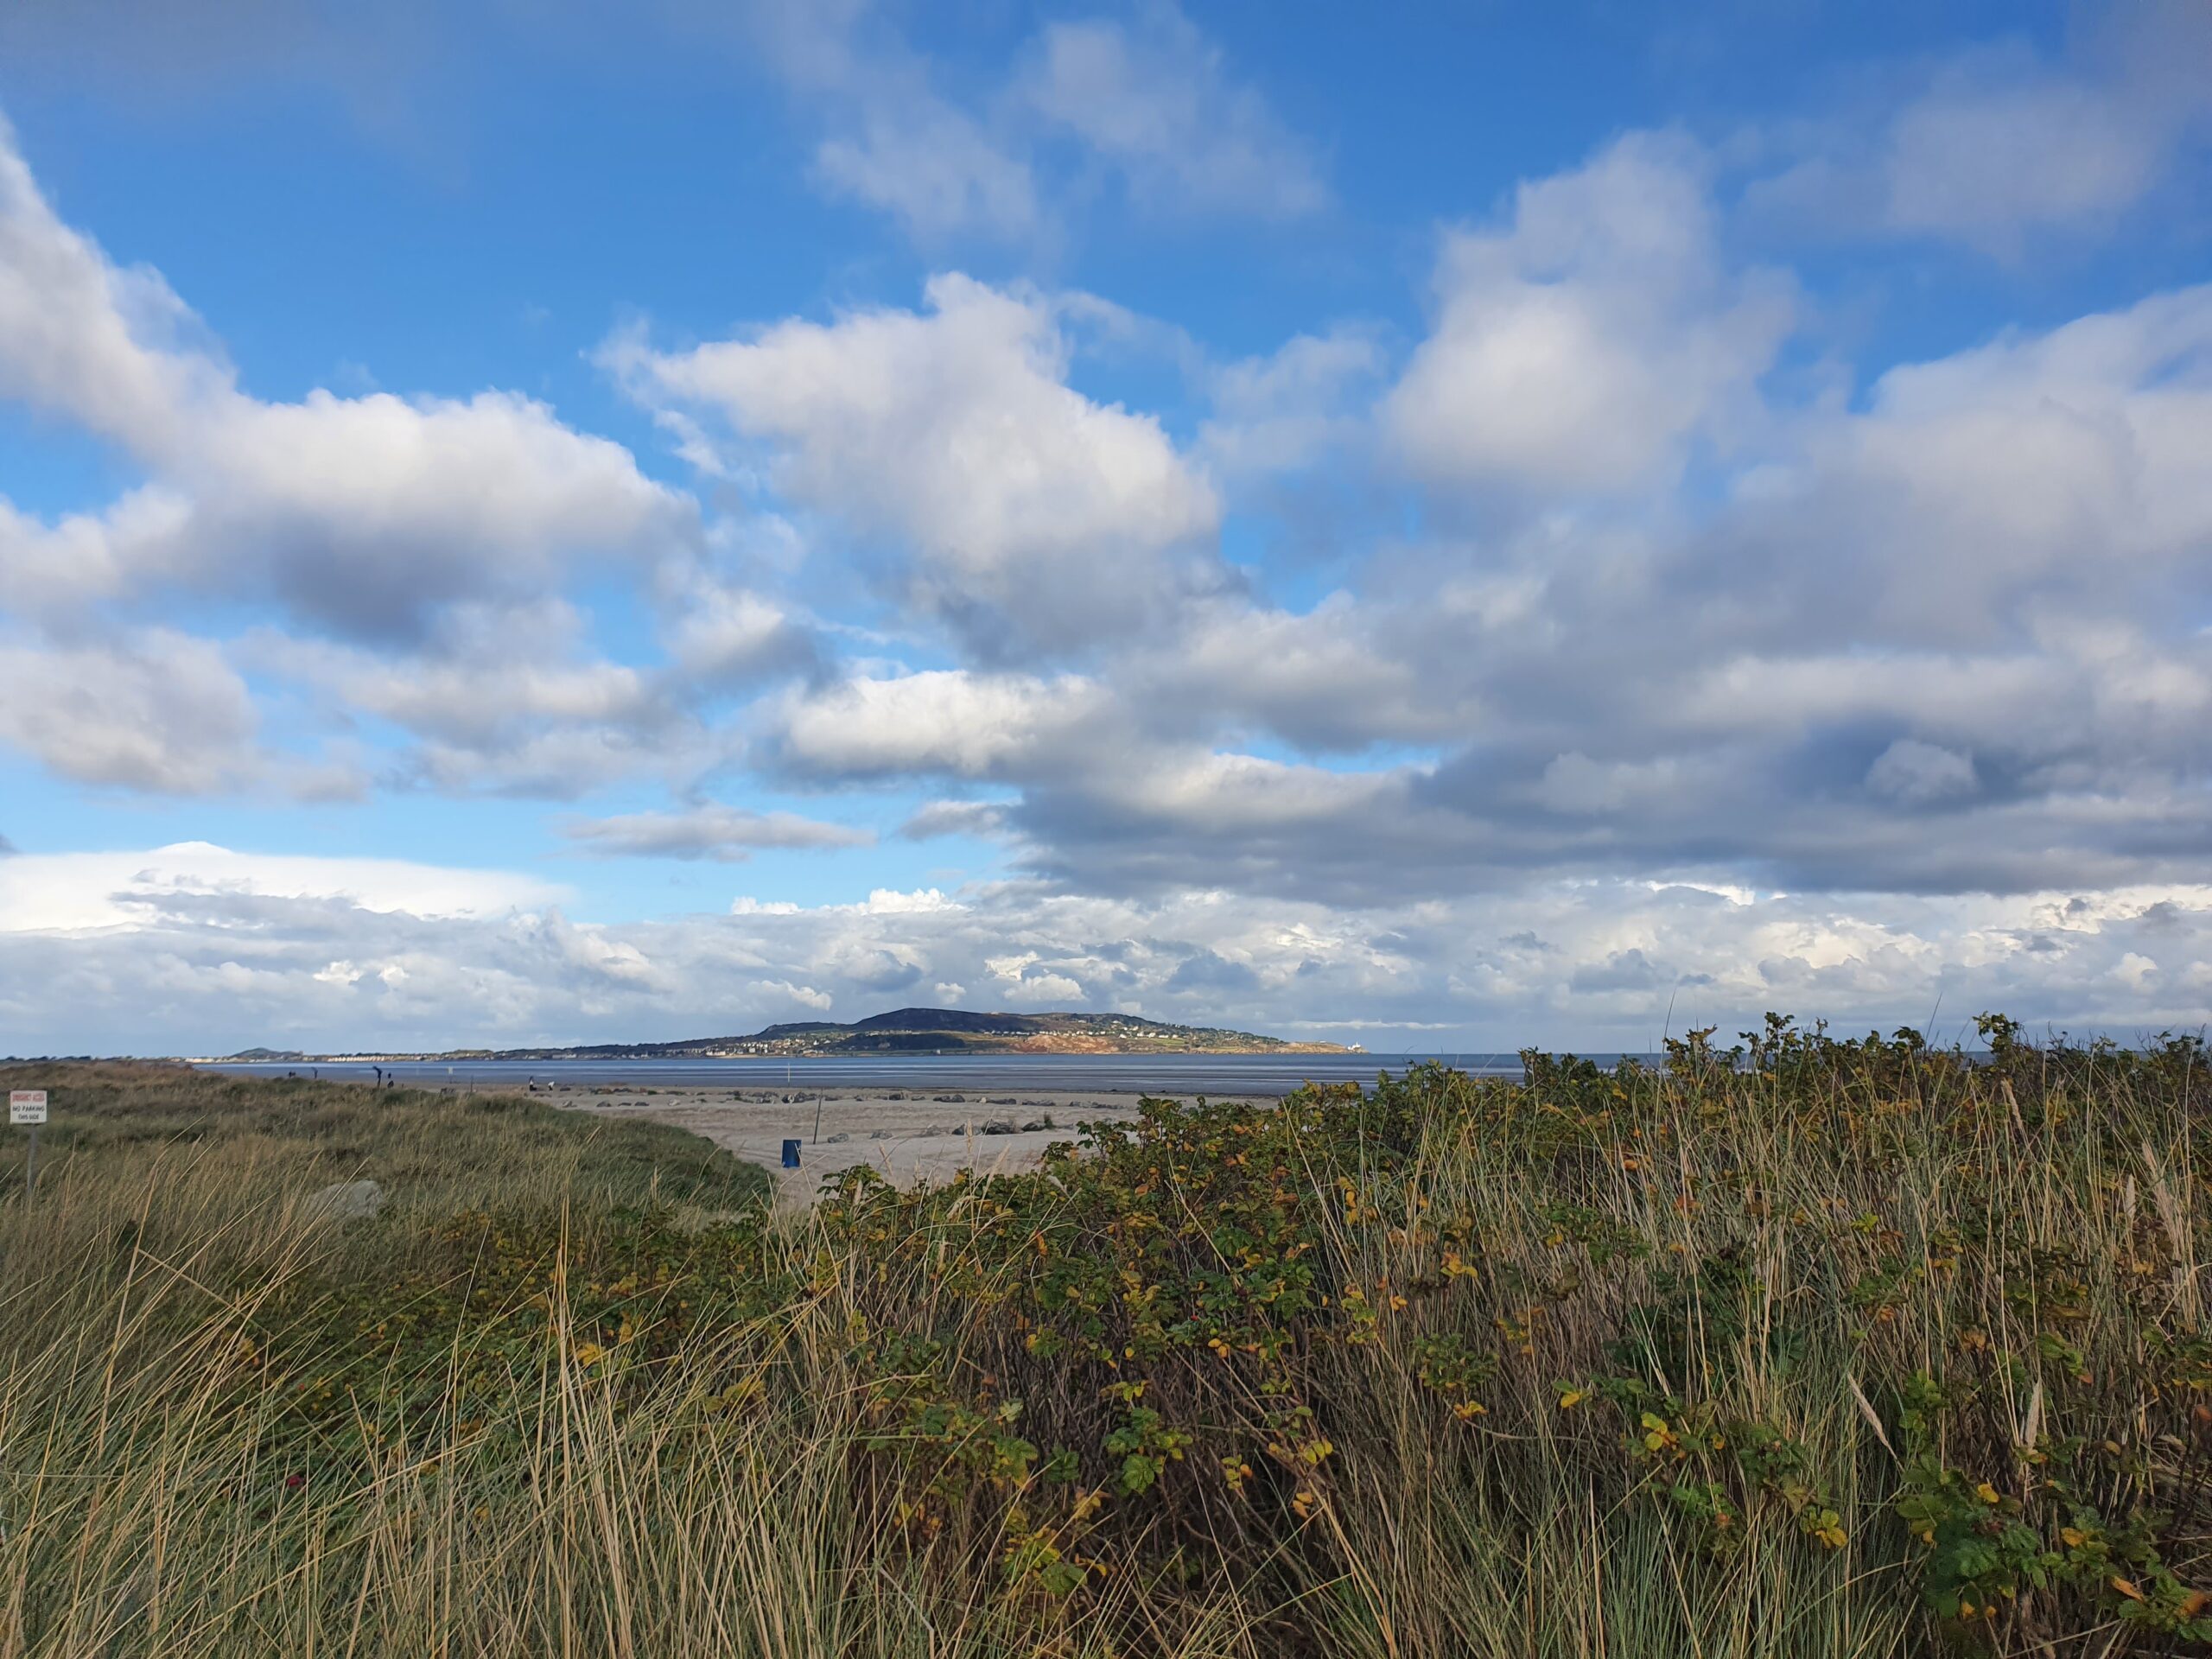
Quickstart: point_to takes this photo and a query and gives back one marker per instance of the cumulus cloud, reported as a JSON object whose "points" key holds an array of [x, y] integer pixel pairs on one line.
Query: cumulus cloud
{"points": [[360, 514], [386, 522], [1036, 516], [953, 722], [506, 699], [1281, 411], [155, 710], [1582, 345], [2036, 464], [721, 637]]}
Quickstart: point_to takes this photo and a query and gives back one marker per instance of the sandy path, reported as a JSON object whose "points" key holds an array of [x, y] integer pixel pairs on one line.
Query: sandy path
{"points": [[907, 1136]]}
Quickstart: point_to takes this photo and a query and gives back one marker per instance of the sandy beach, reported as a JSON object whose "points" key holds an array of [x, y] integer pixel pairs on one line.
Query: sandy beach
{"points": [[906, 1136]]}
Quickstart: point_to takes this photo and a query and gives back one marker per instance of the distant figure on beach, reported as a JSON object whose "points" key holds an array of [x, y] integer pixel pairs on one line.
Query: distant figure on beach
{"points": [[379, 1071]]}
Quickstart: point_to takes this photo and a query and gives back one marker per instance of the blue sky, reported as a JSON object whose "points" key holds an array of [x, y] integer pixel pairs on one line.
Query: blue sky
{"points": [[1453, 526]]}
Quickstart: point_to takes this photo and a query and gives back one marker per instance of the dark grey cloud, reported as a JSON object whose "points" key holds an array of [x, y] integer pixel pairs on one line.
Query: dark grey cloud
{"points": [[953, 818]]}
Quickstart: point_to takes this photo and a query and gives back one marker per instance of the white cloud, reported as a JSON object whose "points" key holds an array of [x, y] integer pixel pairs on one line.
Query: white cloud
{"points": [[954, 721], [1150, 100], [506, 699], [893, 142], [2060, 467], [720, 636], [1277, 413], [1035, 515], [1347, 674], [374, 517], [1583, 346], [1998, 146], [889, 901], [79, 893], [81, 336], [152, 710], [930, 166], [745, 904], [1155, 99], [805, 995], [1979, 161], [726, 833], [362, 514]]}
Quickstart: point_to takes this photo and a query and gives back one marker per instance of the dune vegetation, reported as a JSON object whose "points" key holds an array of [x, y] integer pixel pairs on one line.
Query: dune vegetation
{"points": [[1804, 1347]]}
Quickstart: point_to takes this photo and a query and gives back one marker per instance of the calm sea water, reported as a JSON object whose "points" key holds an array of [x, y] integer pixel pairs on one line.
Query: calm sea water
{"points": [[1165, 1074]]}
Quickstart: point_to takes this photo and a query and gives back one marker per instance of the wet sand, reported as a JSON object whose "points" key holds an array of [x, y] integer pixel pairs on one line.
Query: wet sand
{"points": [[905, 1135]]}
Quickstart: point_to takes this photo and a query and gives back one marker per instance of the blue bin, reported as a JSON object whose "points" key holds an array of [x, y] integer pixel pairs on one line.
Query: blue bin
{"points": [[791, 1154]]}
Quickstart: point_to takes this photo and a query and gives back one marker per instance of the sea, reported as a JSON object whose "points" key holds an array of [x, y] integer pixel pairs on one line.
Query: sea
{"points": [[1181, 1075]]}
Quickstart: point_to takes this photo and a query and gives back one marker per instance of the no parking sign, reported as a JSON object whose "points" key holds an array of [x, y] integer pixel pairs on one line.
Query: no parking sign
{"points": [[27, 1109]]}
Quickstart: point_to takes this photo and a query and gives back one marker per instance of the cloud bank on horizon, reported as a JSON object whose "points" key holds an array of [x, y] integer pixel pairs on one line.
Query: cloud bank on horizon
{"points": [[1168, 529]]}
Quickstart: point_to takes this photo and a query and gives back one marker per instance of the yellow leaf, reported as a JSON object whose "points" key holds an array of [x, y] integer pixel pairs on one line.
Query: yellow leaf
{"points": [[1571, 1399], [1985, 1492], [2073, 1537], [2128, 1589]]}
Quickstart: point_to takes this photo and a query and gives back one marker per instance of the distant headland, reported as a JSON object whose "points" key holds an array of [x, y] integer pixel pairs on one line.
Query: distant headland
{"points": [[907, 1031]]}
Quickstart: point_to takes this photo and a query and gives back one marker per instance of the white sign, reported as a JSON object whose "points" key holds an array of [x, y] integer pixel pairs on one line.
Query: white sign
{"points": [[26, 1106]]}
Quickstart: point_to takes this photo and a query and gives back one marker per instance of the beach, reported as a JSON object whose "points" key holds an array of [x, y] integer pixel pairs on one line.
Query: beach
{"points": [[906, 1136]]}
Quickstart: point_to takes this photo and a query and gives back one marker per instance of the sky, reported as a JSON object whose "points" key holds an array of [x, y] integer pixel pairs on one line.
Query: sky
{"points": [[1443, 527]]}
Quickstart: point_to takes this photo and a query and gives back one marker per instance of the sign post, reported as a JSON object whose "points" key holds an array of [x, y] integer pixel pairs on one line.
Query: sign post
{"points": [[27, 1107]]}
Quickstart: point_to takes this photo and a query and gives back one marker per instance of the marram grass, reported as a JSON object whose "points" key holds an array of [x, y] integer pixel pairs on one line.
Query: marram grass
{"points": [[1809, 1348]]}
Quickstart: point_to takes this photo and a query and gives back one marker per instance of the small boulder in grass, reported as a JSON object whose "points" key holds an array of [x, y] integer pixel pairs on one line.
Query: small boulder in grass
{"points": [[999, 1126], [344, 1201]]}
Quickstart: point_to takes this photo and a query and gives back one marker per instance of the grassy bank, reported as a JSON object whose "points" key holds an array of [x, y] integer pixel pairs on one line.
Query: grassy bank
{"points": [[1818, 1348]]}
